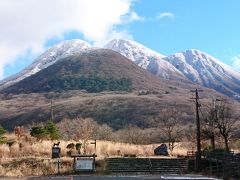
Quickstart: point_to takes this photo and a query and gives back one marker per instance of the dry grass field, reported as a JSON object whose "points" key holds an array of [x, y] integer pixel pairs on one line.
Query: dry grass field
{"points": [[23, 156], [27, 157]]}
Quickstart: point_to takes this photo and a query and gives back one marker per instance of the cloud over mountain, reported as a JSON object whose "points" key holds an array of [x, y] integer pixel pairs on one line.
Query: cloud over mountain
{"points": [[236, 63], [26, 25]]}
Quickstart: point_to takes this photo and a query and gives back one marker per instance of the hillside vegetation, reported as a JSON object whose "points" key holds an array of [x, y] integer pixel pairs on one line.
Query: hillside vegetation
{"points": [[93, 71], [100, 84]]}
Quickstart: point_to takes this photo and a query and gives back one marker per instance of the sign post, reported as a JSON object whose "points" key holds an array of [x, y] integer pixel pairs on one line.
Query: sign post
{"points": [[84, 163], [56, 152], [95, 145]]}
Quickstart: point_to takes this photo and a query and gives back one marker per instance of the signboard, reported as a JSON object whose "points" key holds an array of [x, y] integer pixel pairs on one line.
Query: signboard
{"points": [[56, 152], [84, 164]]}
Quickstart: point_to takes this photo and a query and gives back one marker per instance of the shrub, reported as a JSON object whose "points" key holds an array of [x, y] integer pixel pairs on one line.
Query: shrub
{"points": [[89, 83], [38, 131], [207, 149], [2, 132], [70, 146], [48, 131], [52, 130], [78, 146]]}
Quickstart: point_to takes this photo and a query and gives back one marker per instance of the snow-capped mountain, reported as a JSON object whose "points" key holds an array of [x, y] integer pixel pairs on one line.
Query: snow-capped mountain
{"points": [[191, 65], [145, 58], [208, 71], [194, 65], [52, 55]]}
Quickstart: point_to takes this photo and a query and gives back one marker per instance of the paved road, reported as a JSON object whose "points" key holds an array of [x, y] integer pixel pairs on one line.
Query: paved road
{"points": [[139, 177]]}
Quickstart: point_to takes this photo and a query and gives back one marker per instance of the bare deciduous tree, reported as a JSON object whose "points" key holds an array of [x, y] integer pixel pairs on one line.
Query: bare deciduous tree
{"points": [[133, 135], [189, 135], [225, 121], [79, 129], [85, 132], [20, 131], [103, 132], [209, 124], [170, 125]]}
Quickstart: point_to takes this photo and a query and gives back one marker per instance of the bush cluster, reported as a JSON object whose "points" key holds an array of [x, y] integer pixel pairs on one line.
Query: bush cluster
{"points": [[2, 132], [89, 83], [46, 131]]}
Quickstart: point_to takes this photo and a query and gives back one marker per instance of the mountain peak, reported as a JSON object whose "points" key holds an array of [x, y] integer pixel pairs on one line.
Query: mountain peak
{"points": [[145, 58], [199, 54], [206, 70], [73, 43], [94, 70], [52, 55], [191, 64], [126, 44], [194, 51]]}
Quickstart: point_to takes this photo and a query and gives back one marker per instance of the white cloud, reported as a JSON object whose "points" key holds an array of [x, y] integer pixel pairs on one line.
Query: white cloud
{"points": [[236, 63], [114, 35], [135, 17], [165, 15], [28, 24]]}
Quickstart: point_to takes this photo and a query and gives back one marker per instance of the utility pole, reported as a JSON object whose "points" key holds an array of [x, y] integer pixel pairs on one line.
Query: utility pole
{"points": [[214, 120], [51, 111], [198, 133]]}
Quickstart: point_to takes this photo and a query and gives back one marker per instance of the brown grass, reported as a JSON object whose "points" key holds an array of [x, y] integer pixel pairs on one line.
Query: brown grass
{"points": [[25, 158], [34, 157], [104, 149]]}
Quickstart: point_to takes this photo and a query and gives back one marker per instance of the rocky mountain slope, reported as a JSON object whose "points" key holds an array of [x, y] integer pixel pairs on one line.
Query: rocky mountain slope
{"points": [[145, 58], [193, 65], [93, 70], [48, 58], [207, 71]]}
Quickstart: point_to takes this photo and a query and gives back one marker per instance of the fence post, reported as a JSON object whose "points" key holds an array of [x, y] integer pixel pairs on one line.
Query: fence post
{"points": [[211, 168]]}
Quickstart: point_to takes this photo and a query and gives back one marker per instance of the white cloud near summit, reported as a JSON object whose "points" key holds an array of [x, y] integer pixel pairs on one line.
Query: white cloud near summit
{"points": [[27, 24], [236, 63]]}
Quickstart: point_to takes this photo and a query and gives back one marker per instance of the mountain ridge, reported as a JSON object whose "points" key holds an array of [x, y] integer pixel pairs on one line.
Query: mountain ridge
{"points": [[190, 66], [205, 70], [49, 57], [145, 58], [103, 68]]}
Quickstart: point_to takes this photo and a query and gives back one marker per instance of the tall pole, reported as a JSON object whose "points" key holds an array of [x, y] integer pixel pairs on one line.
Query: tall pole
{"points": [[51, 111], [198, 133], [214, 120], [213, 124], [95, 145]]}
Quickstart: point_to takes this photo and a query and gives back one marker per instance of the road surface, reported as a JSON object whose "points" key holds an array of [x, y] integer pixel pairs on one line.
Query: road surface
{"points": [[137, 177]]}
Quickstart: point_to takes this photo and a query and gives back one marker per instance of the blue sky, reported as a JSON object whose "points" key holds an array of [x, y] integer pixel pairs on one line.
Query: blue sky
{"points": [[166, 26], [209, 25]]}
